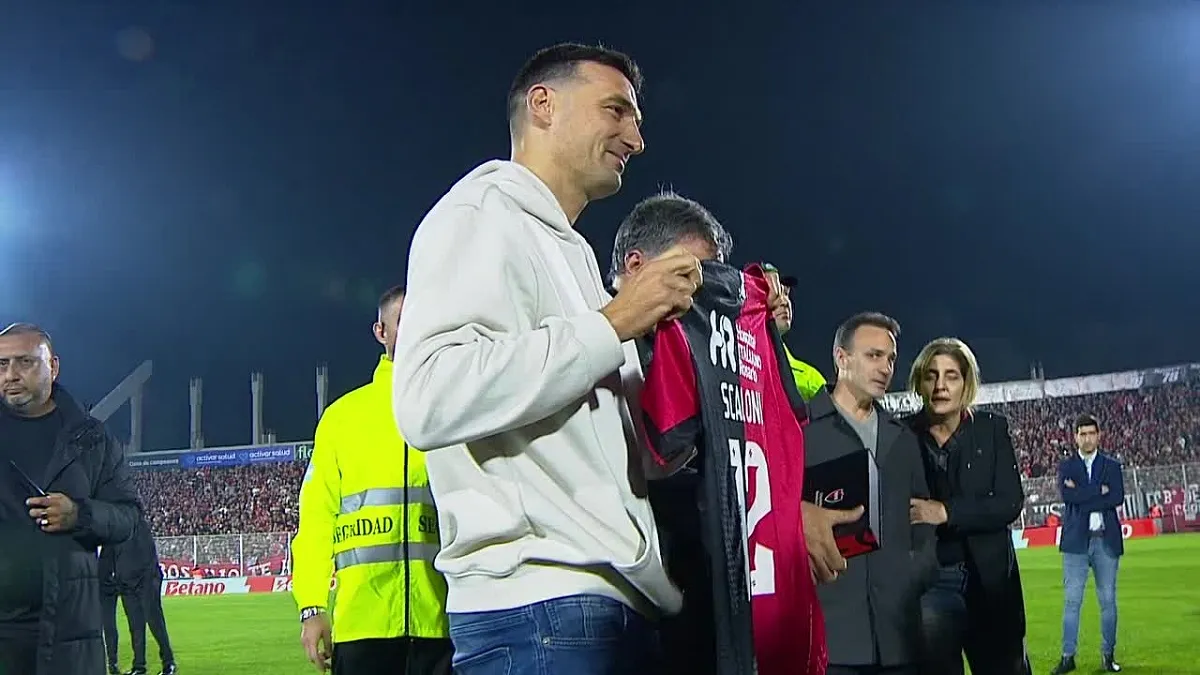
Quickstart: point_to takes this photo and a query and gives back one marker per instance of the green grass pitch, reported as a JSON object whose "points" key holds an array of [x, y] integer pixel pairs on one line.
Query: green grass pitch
{"points": [[1158, 591]]}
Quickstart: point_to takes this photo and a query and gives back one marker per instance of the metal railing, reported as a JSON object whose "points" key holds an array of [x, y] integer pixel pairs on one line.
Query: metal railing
{"points": [[225, 555], [1173, 487]]}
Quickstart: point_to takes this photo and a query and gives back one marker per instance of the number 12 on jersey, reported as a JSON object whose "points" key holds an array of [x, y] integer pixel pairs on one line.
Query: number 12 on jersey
{"points": [[760, 567]]}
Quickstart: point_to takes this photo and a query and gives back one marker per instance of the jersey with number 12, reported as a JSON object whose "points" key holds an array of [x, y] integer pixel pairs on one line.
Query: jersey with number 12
{"points": [[718, 382]]}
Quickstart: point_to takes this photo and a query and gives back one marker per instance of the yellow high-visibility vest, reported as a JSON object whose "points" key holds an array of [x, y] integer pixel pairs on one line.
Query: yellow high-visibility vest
{"points": [[367, 516], [809, 380]]}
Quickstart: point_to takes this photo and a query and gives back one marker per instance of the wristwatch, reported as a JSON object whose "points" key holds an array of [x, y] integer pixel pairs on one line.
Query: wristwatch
{"points": [[309, 612]]}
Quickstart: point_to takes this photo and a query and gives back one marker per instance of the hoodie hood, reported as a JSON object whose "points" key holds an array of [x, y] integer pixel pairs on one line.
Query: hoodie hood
{"points": [[525, 191], [529, 192]]}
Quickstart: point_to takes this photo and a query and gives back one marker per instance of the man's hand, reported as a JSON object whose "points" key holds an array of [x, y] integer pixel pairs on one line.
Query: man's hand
{"points": [[926, 511], [53, 513], [317, 637], [1069, 483], [1103, 489], [823, 554], [662, 289]]}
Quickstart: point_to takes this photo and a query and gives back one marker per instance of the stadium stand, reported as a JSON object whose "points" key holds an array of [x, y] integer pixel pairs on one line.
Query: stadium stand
{"points": [[1142, 428], [234, 518], [222, 500]]}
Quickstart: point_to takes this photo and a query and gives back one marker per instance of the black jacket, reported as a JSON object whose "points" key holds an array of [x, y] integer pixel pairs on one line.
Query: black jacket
{"points": [[124, 566], [985, 497], [88, 466], [872, 611]]}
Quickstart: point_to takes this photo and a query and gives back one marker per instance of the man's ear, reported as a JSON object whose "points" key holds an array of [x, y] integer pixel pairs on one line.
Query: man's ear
{"points": [[634, 261], [377, 329], [539, 105], [840, 356]]}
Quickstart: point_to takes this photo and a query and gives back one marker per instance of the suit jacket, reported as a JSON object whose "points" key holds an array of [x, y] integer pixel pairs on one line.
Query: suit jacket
{"points": [[1081, 501], [872, 611], [985, 498]]}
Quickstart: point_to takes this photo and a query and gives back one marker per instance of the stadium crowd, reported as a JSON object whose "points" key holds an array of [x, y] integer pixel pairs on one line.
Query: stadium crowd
{"points": [[1150, 427], [1154, 426], [226, 500]]}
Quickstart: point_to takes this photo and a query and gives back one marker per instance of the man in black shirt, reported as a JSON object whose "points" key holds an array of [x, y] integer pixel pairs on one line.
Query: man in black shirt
{"points": [[65, 491]]}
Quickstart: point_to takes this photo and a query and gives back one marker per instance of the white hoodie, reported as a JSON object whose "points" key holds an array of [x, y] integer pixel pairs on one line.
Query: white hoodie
{"points": [[504, 361]]}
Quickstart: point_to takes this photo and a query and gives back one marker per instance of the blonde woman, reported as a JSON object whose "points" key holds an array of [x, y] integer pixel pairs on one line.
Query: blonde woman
{"points": [[975, 606]]}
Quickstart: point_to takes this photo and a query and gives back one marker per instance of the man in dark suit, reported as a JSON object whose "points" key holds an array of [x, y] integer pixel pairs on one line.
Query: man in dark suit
{"points": [[1092, 488], [872, 612]]}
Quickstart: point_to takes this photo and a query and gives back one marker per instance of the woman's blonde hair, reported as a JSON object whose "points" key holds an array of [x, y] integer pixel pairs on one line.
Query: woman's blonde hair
{"points": [[962, 355]]}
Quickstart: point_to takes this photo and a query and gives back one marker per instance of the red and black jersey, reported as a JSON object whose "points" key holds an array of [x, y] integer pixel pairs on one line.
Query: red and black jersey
{"points": [[718, 386]]}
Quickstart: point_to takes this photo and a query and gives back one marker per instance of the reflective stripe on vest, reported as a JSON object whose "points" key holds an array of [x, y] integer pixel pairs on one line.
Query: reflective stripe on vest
{"points": [[384, 553], [386, 497]]}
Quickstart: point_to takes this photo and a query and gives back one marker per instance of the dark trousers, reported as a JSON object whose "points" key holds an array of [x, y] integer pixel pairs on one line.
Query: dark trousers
{"points": [[18, 655], [108, 619], [954, 621], [688, 638], [871, 670], [143, 606], [393, 656]]}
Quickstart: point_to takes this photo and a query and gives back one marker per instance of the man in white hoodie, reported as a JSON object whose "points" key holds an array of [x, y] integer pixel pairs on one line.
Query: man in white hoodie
{"points": [[515, 362]]}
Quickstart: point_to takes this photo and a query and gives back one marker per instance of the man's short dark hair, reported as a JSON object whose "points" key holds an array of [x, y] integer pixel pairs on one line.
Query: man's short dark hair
{"points": [[559, 62], [659, 222], [21, 328], [844, 337], [1085, 420], [390, 296]]}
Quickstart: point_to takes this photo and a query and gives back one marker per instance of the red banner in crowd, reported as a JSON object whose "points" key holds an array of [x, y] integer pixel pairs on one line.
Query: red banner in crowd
{"points": [[1181, 502], [178, 569]]}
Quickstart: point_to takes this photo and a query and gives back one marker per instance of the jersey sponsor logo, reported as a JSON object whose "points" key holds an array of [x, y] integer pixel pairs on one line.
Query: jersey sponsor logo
{"points": [[721, 343], [735, 350]]}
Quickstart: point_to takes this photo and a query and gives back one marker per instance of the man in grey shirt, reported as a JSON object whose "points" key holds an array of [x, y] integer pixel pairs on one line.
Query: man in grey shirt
{"points": [[866, 428], [872, 613]]}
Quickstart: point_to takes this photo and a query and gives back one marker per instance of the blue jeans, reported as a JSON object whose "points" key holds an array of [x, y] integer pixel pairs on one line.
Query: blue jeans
{"points": [[955, 621], [944, 621], [1075, 573], [575, 635]]}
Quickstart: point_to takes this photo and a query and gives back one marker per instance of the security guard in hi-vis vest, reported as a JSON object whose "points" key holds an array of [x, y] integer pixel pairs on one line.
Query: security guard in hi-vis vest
{"points": [[367, 518], [808, 379]]}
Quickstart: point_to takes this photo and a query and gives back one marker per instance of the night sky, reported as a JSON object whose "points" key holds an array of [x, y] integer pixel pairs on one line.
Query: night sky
{"points": [[225, 187]]}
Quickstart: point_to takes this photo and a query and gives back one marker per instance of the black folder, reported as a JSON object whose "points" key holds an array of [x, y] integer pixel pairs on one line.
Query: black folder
{"points": [[844, 483]]}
